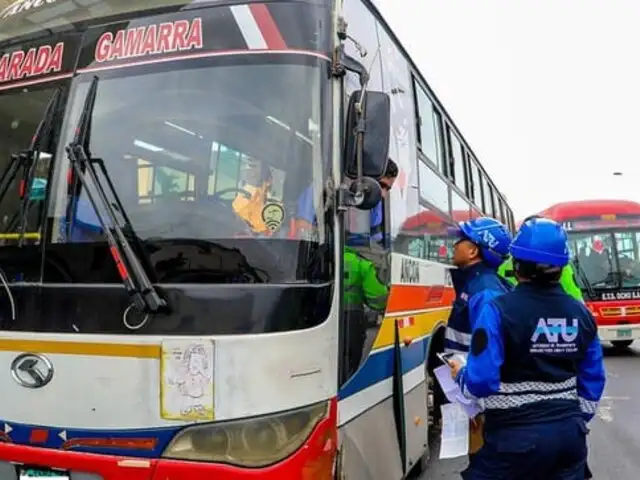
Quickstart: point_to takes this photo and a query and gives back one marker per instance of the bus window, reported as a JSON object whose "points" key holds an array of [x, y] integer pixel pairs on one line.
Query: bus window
{"points": [[426, 127], [475, 178], [496, 209], [22, 111], [503, 218], [433, 189], [460, 208], [486, 192], [427, 235], [458, 162]]}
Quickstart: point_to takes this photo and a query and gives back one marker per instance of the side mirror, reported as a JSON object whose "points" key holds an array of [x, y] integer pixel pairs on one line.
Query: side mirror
{"points": [[368, 129], [367, 194]]}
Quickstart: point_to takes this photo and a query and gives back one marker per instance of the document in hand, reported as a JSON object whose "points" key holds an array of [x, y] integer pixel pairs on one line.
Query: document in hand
{"points": [[454, 394]]}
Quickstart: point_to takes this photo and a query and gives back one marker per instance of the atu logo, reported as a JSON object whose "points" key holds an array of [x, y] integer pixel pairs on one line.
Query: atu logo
{"points": [[489, 239], [553, 328]]}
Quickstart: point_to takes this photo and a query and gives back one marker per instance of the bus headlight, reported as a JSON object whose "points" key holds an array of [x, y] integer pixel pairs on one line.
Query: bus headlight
{"points": [[255, 442]]}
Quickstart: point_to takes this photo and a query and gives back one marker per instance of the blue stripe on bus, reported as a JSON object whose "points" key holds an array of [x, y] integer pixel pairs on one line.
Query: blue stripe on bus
{"points": [[379, 366]]}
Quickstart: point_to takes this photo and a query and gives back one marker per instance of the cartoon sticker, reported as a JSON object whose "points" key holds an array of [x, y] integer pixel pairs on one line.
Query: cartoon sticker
{"points": [[273, 216]]}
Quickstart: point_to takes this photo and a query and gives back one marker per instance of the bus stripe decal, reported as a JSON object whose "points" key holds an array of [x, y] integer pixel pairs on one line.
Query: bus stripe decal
{"points": [[403, 297], [249, 27], [268, 27], [379, 366]]}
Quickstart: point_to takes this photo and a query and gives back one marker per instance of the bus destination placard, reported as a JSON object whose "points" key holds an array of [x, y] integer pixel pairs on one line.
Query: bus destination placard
{"points": [[625, 295]]}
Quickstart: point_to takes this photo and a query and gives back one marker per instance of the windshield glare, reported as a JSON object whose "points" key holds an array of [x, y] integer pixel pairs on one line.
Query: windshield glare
{"points": [[607, 259]]}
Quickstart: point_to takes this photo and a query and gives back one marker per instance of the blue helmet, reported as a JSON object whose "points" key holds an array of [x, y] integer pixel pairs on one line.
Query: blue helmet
{"points": [[491, 236], [541, 241]]}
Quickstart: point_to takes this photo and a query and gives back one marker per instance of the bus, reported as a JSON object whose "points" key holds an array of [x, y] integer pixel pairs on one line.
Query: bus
{"points": [[170, 309], [604, 238]]}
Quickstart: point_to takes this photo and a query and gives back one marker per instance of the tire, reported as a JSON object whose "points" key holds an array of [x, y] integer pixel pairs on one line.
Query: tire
{"points": [[621, 344]]}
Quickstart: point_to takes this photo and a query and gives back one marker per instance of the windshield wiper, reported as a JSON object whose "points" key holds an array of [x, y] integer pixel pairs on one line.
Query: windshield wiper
{"points": [[583, 276], [137, 284], [27, 161], [33, 156]]}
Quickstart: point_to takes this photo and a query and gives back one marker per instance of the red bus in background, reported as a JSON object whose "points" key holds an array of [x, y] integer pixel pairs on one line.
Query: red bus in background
{"points": [[604, 237], [430, 235]]}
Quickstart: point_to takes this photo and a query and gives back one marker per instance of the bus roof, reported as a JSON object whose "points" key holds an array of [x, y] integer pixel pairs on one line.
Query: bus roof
{"points": [[564, 211]]}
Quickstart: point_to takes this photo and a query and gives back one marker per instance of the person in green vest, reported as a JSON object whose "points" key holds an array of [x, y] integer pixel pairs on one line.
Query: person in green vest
{"points": [[567, 279], [364, 294]]}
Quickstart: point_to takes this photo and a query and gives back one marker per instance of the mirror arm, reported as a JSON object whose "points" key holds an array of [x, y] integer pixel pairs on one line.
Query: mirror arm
{"points": [[343, 63]]}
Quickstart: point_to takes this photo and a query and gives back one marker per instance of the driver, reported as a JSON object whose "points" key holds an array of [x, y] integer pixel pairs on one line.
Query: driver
{"points": [[252, 203]]}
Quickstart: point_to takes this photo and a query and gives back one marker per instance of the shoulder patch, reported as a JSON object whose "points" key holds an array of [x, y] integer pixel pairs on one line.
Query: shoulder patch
{"points": [[479, 341]]}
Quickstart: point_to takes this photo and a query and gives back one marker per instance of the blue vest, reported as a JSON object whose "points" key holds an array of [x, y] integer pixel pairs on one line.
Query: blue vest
{"points": [[546, 334], [467, 282]]}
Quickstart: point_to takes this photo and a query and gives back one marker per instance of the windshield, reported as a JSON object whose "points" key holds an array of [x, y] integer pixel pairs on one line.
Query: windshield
{"points": [[20, 113], [209, 156], [606, 260]]}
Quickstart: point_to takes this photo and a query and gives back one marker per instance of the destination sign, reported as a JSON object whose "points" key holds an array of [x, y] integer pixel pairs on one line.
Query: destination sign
{"points": [[595, 224], [624, 295], [22, 64], [167, 37]]}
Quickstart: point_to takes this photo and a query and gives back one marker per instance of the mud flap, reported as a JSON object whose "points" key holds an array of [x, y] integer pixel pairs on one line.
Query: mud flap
{"points": [[398, 398]]}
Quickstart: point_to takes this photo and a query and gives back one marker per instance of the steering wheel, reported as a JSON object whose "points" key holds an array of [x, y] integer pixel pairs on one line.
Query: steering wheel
{"points": [[218, 195]]}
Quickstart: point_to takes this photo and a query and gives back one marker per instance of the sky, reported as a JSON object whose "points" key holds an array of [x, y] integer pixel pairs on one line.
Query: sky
{"points": [[546, 92]]}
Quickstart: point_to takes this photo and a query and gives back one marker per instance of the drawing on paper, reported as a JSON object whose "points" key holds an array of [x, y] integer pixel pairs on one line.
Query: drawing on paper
{"points": [[187, 380]]}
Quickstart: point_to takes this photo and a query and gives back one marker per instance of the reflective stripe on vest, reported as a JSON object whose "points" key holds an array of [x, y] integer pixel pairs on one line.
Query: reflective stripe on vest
{"points": [[514, 395]]}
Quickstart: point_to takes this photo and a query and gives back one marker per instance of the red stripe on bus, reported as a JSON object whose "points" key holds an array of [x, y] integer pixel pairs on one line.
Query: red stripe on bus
{"points": [[268, 27], [405, 298]]}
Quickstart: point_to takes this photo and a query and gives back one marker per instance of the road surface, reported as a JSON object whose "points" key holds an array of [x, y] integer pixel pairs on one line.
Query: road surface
{"points": [[614, 441]]}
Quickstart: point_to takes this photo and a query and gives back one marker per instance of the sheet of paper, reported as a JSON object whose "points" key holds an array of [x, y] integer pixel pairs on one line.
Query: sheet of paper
{"points": [[187, 372], [453, 393], [449, 386], [454, 440]]}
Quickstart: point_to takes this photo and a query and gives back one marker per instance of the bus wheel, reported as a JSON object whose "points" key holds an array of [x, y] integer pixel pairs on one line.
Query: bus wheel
{"points": [[622, 344]]}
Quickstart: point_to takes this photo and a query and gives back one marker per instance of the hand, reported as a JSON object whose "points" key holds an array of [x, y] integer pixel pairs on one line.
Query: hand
{"points": [[455, 368]]}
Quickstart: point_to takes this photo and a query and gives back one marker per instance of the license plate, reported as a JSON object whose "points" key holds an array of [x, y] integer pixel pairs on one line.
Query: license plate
{"points": [[27, 473], [624, 333]]}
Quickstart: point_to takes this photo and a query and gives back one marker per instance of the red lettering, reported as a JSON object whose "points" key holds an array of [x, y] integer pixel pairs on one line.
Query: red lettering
{"points": [[27, 65], [117, 49], [14, 64], [164, 37], [36, 61], [133, 42], [103, 47], [153, 39], [180, 35], [4, 62], [55, 61], [149, 45], [195, 34], [42, 60]]}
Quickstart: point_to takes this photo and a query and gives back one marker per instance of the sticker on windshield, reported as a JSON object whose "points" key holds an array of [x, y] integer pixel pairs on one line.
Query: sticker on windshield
{"points": [[273, 216]]}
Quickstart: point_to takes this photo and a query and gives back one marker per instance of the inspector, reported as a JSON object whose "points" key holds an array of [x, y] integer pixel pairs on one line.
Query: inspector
{"points": [[536, 361]]}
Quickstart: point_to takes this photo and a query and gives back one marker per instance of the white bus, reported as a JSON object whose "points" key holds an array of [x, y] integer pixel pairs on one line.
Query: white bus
{"points": [[186, 187]]}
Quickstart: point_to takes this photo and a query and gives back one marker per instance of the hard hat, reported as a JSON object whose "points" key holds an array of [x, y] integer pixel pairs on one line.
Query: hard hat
{"points": [[490, 235], [541, 241]]}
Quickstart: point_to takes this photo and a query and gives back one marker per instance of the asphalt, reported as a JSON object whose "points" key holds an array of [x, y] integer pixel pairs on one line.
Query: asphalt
{"points": [[614, 441]]}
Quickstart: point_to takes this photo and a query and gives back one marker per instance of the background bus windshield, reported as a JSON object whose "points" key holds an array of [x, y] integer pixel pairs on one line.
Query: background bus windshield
{"points": [[607, 260]]}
